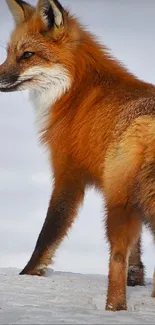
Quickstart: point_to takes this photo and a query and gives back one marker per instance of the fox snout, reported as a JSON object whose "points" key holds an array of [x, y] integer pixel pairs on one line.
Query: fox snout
{"points": [[11, 79], [8, 81], [8, 76]]}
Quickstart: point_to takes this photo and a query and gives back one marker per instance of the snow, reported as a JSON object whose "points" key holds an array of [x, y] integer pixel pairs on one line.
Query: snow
{"points": [[68, 298]]}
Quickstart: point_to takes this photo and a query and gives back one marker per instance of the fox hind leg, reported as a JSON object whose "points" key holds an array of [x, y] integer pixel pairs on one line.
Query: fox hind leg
{"points": [[136, 270], [123, 229], [144, 194]]}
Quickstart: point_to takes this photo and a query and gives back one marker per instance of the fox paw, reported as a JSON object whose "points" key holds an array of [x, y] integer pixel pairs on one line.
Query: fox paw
{"points": [[136, 276], [38, 271]]}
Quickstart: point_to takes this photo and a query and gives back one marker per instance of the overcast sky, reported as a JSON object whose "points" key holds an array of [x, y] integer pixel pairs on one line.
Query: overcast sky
{"points": [[128, 28]]}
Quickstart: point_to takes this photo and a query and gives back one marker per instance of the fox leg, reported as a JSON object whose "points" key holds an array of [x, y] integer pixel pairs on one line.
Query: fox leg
{"points": [[144, 193], [123, 229], [67, 194], [129, 183], [136, 270]]}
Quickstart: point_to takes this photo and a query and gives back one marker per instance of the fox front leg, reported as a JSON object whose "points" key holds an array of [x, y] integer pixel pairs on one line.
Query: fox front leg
{"points": [[66, 197]]}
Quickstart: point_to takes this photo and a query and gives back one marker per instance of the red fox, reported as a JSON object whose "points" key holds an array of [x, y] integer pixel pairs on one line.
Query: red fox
{"points": [[98, 123]]}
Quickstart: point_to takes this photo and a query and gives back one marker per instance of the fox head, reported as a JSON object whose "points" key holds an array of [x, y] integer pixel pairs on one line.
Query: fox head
{"points": [[41, 48]]}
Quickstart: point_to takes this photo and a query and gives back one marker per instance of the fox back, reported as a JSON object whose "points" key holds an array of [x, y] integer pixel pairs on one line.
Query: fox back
{"points": [[95, 118]]}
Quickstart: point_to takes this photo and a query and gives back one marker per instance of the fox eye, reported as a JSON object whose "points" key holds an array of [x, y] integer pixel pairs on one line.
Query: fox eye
{"points": [[26, 55]]}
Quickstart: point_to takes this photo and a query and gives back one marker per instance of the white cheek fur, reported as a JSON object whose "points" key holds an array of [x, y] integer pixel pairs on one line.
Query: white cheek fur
{"points": [[51, 84]]}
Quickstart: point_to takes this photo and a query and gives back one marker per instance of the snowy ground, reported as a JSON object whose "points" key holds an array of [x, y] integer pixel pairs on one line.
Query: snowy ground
{"points": [[67, 298]]}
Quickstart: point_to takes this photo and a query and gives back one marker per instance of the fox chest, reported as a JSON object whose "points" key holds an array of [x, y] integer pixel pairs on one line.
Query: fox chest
{"points": [[42, 103], [52, 88]]}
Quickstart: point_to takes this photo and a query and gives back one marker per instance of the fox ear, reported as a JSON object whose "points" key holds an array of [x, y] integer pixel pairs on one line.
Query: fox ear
{"points": [[51, 13], [20, 10]]}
